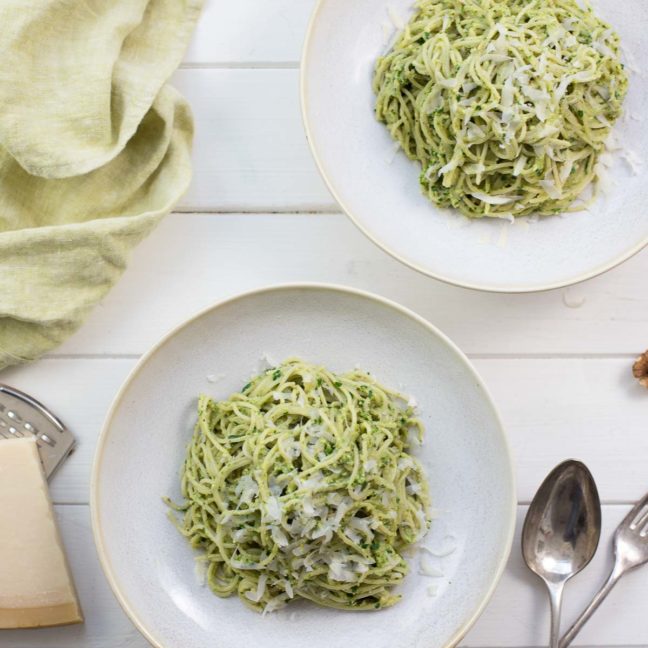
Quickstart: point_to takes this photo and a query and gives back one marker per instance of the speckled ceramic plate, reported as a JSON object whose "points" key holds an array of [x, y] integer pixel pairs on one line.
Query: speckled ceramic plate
{"points": [[379, 189], [150, 566]]}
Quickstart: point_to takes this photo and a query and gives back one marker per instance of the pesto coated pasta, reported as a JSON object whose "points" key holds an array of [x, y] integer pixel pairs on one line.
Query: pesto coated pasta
{"points": [[506, 104], [301, 485]]}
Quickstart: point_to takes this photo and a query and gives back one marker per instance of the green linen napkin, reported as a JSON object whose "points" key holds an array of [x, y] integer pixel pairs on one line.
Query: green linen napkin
{"points": [[94, 150]]}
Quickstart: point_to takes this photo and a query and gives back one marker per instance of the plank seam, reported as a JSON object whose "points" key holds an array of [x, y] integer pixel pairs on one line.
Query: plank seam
{"points": [[239, 65], [471, 356], [331, 210]]}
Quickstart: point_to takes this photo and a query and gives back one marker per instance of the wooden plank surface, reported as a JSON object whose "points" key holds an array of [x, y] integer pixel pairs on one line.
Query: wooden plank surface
{"points": [[517, 615], [557, 363], [250, 150], [250, 33], [192, 261], [590, 409]]}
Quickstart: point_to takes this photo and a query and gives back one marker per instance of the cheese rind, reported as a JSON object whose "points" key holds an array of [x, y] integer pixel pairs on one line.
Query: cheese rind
{"points": [[35, 584], [40, 617]]}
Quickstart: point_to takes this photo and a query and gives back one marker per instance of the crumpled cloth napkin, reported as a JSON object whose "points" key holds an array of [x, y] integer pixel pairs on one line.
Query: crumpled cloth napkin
{"points": [[94, 150]]}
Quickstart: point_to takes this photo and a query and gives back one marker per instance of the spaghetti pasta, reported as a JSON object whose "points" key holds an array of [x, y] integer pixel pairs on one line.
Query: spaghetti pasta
{"points": [[506, 104], [301, 485]]}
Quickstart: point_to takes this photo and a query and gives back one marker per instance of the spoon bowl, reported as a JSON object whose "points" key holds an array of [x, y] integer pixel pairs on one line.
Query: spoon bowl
{"points": [[561, 531]]}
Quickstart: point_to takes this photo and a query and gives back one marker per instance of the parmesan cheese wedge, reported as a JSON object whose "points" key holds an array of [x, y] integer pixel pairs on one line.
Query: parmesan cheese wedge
{"points": [[35, 584]]}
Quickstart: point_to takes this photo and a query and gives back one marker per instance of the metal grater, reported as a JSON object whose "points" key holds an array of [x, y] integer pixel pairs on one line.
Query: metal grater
{"points": [[21, 416]]}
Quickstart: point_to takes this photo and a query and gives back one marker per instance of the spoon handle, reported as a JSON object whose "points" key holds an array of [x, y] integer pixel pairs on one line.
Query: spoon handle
{"points": [[555, 598], [612, 580]]}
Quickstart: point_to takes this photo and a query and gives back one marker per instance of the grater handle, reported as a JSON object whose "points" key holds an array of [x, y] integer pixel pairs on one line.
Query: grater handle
{"points": [[53, 447]]}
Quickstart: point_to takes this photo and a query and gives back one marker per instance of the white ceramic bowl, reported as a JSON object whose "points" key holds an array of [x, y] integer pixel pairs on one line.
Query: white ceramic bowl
{"points": [[379, 189], [151, 567]]}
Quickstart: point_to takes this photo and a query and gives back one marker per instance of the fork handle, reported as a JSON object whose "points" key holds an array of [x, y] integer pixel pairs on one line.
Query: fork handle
{"points": [[576, 627]]}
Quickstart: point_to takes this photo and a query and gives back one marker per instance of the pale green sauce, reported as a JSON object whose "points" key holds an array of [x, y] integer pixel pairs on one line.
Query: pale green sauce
{"points": [[506, 104]]}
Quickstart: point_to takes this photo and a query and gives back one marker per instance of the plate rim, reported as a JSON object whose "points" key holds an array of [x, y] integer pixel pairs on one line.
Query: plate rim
{"points": [[347, 290], [403, 258]]}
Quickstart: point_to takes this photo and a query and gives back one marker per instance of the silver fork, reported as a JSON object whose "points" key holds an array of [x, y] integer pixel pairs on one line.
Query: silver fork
{"points": [[630, 552]]}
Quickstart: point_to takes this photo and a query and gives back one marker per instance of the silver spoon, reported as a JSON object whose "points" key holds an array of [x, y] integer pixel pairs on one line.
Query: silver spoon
{"points": [[561, 531]]}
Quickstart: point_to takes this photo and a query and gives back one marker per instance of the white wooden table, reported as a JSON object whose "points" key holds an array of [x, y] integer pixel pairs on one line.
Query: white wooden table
{"points": [[558, 363]]}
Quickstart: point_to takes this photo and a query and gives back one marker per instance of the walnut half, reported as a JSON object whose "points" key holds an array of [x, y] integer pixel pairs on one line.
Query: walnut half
{"points": [[640, 369]]}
